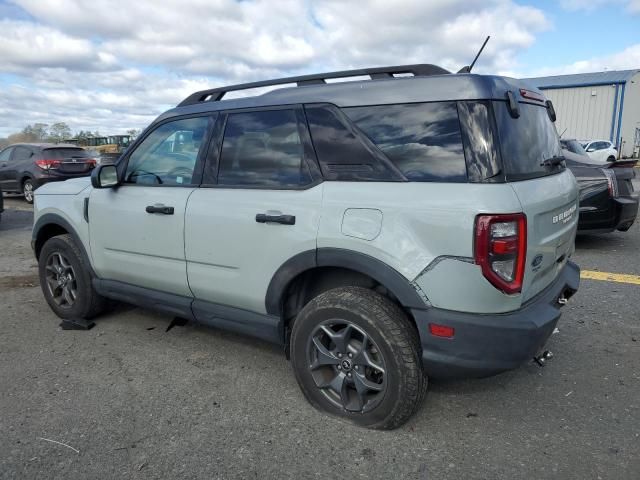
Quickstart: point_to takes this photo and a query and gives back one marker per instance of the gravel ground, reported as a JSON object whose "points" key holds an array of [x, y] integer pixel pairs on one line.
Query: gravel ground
{"points": [[136, 402]]}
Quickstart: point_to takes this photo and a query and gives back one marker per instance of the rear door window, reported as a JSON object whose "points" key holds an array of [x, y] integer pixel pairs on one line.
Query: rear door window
{"points": [[423, 140], [527, 142], [21, 153], [344, 152], [263, 149]]}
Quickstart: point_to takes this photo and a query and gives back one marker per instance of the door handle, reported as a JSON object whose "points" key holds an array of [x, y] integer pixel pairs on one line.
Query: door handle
{"points": [[159, 208], [284, 219]]}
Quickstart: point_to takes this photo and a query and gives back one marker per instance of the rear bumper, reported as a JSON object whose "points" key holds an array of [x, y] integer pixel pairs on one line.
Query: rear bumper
{"points": [[620, 214], [626, 212], [486, 344]]}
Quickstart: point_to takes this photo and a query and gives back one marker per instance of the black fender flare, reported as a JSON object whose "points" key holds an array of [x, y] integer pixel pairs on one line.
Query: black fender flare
{"points": [[54, 219], [382, 273]]}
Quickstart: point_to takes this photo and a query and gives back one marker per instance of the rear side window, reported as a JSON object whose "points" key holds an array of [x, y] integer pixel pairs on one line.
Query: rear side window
{"points": [[480, 144], [22, 153], [263, 149], [63, 153], [422, 140], [529, 143]]}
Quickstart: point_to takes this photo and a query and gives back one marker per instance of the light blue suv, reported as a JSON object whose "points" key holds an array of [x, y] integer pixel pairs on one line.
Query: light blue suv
{"points": [[382, 231]]}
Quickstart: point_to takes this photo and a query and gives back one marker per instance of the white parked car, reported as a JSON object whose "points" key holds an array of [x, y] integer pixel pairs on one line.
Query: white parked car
{"points": [[600, 150]]}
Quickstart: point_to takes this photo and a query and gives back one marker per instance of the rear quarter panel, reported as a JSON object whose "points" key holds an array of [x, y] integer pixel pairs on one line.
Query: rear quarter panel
{"points": [[426, 234]]}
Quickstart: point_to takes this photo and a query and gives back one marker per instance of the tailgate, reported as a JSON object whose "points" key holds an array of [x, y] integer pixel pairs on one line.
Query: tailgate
{"points": [[551, 206]]}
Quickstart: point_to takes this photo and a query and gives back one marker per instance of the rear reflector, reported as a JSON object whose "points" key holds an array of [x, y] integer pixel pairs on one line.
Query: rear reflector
{"points": [[500, 248], [441, 330]]}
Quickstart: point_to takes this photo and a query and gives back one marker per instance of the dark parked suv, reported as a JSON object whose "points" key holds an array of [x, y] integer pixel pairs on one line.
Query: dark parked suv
{"points": [[26, 166]]}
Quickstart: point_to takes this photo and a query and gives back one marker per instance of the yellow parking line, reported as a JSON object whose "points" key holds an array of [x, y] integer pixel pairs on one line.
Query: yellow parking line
{"points": [[610, 277]]}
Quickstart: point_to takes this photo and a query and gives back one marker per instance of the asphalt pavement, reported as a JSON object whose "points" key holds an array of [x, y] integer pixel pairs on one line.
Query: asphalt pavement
{"points": [[129, 400]]}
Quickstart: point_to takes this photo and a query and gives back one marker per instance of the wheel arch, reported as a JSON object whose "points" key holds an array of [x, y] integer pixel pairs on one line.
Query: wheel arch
{"points": [[332, 261], [51, 225]]}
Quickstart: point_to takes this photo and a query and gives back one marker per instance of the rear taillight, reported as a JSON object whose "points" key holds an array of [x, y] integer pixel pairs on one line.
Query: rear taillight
{"points": [[48, 164], [500, 249], [91, 162], [612, 183]]}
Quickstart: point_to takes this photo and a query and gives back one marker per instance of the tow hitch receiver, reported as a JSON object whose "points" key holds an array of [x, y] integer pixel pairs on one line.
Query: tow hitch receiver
{"points": [[543, 357]]}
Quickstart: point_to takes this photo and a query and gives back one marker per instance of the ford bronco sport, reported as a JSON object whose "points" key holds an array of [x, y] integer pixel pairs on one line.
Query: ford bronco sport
{"points": [[382, 231]]}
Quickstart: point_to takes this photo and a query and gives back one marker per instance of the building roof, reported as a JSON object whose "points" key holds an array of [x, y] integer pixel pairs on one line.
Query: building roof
{"points": [[582, 79]]}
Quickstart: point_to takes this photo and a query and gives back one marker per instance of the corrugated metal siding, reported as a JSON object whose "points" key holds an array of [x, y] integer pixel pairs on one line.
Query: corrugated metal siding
{"points": [[630, 115], [582, 114]]}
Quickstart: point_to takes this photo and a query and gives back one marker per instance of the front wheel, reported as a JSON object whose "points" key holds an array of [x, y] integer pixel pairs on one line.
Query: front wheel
{"points": [[356, 355], [65, 279], [27, 190]]}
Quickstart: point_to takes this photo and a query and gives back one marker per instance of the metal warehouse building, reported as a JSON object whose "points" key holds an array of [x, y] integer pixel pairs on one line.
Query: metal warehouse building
{"points": [[599, 105]]}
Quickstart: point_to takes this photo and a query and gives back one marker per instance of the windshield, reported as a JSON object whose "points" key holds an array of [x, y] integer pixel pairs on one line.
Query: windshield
{"points": [[573, 146], [529, 143]]}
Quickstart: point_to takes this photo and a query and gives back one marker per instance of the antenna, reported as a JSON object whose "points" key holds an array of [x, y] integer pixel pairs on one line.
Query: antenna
{"points": [[563, 132], [468, 68]]}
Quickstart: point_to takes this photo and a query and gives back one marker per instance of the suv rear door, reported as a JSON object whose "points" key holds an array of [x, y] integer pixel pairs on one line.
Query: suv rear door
{"points": [[547, 191], [259, 205]]}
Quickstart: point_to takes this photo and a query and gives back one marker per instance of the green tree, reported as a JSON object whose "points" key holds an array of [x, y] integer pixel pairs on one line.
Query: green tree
{"points": [[59, 131], [133, 133], [37, 132]]}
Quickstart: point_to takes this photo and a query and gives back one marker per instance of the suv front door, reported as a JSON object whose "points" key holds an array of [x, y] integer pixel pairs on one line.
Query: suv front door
{"points": [[5, 167], [259, 205], [137, 229]]}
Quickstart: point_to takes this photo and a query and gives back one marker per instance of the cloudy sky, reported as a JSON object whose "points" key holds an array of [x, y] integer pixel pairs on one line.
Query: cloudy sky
{"points": [[112, 65]]}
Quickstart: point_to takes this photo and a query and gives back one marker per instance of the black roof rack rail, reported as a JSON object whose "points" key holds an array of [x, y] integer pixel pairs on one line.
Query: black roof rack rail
{"points": [[215, 94]]}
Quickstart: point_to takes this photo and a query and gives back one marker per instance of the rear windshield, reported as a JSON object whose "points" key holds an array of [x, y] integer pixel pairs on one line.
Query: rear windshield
{"points": [[63, 153], [527, 141], [573, 146]]}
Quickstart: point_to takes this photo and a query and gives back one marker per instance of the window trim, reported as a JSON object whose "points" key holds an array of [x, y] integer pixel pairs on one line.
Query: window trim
{"points": [[214, 154], [197, 168]]}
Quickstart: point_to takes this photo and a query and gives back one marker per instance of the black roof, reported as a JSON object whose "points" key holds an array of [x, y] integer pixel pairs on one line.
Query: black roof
{"points": [[429, 83]]}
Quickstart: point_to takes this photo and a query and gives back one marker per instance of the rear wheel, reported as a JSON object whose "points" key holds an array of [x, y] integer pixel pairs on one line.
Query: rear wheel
{"points": [[65, 279], [27, 190], [357, 356]]}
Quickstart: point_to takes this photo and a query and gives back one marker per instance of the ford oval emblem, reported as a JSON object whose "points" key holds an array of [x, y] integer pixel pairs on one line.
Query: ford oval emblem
{"points": [[537, 260]]}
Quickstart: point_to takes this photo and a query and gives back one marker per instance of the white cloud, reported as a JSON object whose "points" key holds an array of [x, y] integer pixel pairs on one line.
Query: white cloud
{"points": [[116, 64], [626, 59], [25, 45]]}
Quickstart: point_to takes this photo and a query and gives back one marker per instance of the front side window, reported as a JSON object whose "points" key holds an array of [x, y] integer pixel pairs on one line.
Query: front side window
{"points": [[5, 155], [423, 140], [168, 155], [263, 149]]}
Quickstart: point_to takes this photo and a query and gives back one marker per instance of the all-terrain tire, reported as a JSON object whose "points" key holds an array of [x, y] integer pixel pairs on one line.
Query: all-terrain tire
{"points": [[87, 303], [397, 347]]}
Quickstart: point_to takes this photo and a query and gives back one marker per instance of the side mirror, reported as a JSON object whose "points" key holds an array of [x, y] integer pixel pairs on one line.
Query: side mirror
{"points": [[104, 176], [591, 149]]}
